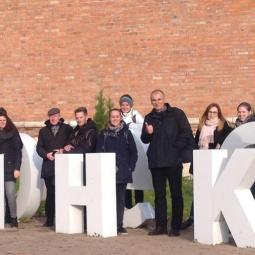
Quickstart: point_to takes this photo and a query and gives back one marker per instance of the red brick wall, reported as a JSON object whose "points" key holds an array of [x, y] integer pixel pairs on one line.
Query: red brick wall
{"points": [[56, 52]]}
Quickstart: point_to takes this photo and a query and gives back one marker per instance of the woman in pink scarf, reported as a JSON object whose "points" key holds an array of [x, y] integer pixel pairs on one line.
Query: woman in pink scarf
{"points": [[211, 133], [212, 129]]}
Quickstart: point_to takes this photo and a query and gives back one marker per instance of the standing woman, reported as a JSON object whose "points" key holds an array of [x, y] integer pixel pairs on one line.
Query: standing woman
{"points": [[211, 133], [244, 114], [116, 137], [212, 129], [130, 116], [10, 146]]}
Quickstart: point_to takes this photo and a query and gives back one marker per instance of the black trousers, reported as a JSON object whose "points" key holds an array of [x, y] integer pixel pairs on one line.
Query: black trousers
{"points": [[120, 200], [50, 200], [138, 198], [160, 176]]}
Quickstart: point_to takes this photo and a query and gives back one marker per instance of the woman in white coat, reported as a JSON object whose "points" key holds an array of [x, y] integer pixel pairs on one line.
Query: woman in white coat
{"points": [[131, 117]]}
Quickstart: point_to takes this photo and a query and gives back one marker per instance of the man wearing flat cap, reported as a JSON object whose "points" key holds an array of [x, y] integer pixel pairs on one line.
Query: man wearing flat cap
{"points": [[52, 139]]}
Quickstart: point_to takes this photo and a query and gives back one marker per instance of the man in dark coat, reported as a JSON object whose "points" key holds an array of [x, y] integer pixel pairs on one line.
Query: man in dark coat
{"points": [[168, 133], [52, 139], [84, 135], [83, 140]]}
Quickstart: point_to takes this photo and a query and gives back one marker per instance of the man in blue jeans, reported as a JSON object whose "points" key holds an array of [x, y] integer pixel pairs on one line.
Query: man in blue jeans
{"points": [[168, 133]]}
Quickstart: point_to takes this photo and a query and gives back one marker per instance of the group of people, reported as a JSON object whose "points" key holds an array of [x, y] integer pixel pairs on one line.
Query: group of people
{"points": [[167, 131]]}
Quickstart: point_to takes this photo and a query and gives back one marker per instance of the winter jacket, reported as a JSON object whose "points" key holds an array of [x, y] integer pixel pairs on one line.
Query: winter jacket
{"points": [[47, 142], [238, 122], [219, 136], [172, 141], [84, 138], [123, 144], [10, 146]]}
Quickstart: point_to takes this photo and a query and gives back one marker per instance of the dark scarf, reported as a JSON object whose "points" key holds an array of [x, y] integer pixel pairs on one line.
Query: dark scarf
{"points": [[239, 122], [5, 135], [114, 131]]}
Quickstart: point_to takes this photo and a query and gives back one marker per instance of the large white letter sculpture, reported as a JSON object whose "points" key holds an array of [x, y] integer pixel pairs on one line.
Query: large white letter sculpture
{"points": [[31, 184], [1, 191], [99, 194], [222, 196], [135, 216], [141, 176]]}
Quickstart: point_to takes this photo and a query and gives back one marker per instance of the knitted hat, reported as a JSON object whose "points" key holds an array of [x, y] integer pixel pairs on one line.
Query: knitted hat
{"points": [[127, 98]]}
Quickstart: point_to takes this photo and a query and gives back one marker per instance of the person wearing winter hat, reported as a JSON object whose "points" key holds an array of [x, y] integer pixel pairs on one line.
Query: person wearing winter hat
{"points": [[130, 117], [51, 140]]}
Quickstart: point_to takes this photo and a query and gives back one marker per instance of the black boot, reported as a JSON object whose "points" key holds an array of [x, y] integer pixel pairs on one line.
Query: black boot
{"points": [[14, 223], [187, 223], [159, 230]]}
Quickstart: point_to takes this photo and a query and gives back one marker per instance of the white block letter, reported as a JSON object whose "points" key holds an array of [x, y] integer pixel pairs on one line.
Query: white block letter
{"points": [[99, 194], [222, 196]]}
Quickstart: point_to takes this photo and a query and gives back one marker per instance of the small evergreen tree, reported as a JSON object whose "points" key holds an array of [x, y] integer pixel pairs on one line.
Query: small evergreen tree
{"points": [[102, 107]]}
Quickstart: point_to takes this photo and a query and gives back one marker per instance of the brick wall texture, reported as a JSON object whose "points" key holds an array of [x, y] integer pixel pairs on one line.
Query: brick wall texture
{"points": [[61, 53]]}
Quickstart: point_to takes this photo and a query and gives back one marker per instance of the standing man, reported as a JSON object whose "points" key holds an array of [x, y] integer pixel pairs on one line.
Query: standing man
{"points": [[168, 133], [52, 139], [84, 136]]}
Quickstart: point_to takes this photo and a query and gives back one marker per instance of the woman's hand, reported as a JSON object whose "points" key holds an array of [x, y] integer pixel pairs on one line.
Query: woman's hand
{"points": [[16, 173]]}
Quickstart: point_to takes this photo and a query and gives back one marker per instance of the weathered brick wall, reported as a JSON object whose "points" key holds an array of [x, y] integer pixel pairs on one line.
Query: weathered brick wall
{"points": [[63, 52]]}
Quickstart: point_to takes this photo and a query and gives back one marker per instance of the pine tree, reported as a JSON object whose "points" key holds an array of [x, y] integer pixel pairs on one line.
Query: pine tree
{"points": [[103, 107]]}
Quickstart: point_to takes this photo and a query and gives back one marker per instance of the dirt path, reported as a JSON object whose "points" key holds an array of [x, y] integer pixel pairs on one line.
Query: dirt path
{"points": [[31, 238]]}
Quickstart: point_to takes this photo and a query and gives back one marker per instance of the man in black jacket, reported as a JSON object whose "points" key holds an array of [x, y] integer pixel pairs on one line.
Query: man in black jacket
{"points": [[52, 139], [84, 136], [168, 133]]}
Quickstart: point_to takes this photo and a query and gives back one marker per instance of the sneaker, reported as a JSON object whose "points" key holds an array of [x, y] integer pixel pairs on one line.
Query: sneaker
{"points": [[122, 231]]}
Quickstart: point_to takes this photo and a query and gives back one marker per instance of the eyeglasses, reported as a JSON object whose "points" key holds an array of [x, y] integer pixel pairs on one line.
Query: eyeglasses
{"points": [[213, 112]]}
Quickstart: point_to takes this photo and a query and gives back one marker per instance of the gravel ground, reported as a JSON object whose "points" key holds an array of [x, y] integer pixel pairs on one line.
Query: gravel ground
{"points": [[32, 238]]}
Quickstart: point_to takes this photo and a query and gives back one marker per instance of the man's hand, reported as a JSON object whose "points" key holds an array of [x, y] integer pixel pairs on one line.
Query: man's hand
{"points": [[148, 128], [68, 147], [16, 173], [50, 156]]}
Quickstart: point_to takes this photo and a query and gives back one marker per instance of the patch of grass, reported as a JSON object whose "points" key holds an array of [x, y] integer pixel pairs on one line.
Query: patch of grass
{"points": [[41, 210], [187, 191]]}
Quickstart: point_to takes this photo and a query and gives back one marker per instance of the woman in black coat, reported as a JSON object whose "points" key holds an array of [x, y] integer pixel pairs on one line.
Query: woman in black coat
{"points": [[211, 133], [116, 137], [10, 146]]}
